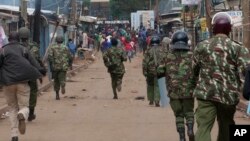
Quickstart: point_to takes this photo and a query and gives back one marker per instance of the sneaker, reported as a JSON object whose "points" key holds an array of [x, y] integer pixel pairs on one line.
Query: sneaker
{"points": [[21, 124], [63, 90]]}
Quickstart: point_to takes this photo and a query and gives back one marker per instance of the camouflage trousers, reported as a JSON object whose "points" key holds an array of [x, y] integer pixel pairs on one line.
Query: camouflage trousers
{"points": [[153, 92], [116, 80], [59, 79], [33, 93], [183, 109], [206, 113]]}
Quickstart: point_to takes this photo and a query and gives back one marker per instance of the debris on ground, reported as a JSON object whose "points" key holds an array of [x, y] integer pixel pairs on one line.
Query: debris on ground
{"points": [[139, 98], [84, 90], [134, 91], [4, 115]]}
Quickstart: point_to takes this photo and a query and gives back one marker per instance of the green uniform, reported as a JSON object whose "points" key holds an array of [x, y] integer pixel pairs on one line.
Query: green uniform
{"points": [[113, 59], [152, 58], [59, 58], [177, 67], [34, 50], [218, 64]]}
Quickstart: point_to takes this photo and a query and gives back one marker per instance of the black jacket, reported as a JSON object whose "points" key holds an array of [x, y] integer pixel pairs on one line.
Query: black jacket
{"points": [[246, 88], [17, 64]]}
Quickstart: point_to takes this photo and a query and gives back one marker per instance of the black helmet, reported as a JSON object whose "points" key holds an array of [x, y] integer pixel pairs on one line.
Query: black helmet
{"points": [[24, 33], [59, 39], [222, 23], [180, 40], [155, 40]]}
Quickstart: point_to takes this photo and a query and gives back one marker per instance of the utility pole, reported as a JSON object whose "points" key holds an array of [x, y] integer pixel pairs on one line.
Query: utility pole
{"points": [[246, 23], [23, 18], [73, 12], [37, 22], [208, 16]]}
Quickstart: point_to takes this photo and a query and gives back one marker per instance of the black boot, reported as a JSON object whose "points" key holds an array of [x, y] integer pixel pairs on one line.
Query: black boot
{"points": [[182, 134], [57, 95], [157, 104], [32, 116], [190, 131], [115, 96], [14, 139]]}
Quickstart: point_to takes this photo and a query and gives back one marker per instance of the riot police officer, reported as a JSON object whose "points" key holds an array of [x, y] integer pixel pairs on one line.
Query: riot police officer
{"points": [[113, 59], [151, 60], [177, 67], [24, 34], [59, 60], [218, 63]]}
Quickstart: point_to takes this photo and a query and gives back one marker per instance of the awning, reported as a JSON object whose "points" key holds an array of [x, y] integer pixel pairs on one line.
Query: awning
{"points": [[89, 19], [170, 20]]}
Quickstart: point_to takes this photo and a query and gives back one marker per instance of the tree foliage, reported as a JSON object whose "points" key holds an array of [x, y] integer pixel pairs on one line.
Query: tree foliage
{"points": [[121, 9]]}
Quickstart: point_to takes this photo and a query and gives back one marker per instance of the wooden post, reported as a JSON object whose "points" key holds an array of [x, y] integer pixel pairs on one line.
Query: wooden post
{"points": [[246, 23], [208, 16]]}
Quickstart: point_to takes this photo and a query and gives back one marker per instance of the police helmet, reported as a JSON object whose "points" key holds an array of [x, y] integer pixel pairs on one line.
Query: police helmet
{"points": [[155, 40], [24, 33], [222, 23], [180, 40], [59, 39]]}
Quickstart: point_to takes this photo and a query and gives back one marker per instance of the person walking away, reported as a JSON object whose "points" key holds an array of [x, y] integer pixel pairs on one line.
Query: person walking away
{"points": [[177, 67], [33, 48], [128, 48], [218, 64], [113, 59], [17, 68], [59, 58], [151, 60], [72, 50]]}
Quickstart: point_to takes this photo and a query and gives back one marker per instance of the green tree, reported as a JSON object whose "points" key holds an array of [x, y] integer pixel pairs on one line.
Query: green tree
{"points": [[121, 9], [86, 3]]}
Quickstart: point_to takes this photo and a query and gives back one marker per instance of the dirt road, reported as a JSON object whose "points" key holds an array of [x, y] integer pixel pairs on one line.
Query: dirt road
{"points": [[87, 111]]}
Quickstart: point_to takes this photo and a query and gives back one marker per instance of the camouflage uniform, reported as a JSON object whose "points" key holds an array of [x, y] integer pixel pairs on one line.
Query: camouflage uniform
{"points": [[177, 68], [34, 50], [218, 64], [113, 59], [151, 60], [59, 58]]}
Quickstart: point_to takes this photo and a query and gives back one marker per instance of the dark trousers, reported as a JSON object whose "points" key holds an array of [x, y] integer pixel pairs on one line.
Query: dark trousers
{"points": [[206, 113], [153, 92], [183, 109], [33, 93], [59, 79], [116, 80]]}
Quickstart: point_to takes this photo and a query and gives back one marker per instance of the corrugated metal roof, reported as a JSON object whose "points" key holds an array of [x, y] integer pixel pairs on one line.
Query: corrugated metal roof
{"points": [[29, 10], [99, 1]]}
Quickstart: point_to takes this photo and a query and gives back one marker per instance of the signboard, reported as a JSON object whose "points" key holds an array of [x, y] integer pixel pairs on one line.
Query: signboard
{"points": [[203, 23], [190, 2], [236, 17]]}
